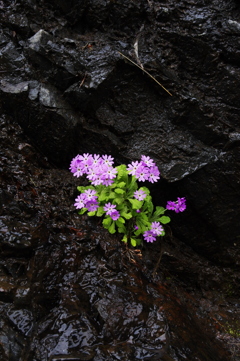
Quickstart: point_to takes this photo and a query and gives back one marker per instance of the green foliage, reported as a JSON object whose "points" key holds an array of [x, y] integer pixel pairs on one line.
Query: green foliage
{"points": [[136, 216]]}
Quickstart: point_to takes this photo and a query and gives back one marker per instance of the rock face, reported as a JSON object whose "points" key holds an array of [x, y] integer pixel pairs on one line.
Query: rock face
{"points": [[65, 78], [65, 73]]}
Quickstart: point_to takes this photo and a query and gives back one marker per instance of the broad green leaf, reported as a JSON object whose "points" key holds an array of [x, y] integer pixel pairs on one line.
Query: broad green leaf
{"points": [[112, 195], [121, 171], [164, 220], [90, 214], [143, 219], [111, 229], [138, 232], [126, 215], [103, 195], [159, 210], [82, 211], [124, 239], [119, 191], [100, 212], [150, 207], [133, 242], [118, 200], [106, 222], [121, 184], [81, 188], [122, 229], [121, 220], [136, 204]]}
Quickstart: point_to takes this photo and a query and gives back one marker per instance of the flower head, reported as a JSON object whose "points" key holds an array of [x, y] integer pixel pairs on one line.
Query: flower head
{"points": [[92, 206], [140, 195], [109, 208], [133, 167], [149, 236], [147, 161], [142, 173], [157, 228], [178, 206], [90, 194], [80, 201], [154, 173], [115, 215]]}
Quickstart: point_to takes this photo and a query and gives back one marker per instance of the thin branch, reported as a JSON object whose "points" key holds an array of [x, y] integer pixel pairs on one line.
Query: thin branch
{"points": [[145, 71]]}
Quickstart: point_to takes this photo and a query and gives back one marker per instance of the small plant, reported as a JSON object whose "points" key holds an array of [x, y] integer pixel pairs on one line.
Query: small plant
{"points": [[114, 195]]}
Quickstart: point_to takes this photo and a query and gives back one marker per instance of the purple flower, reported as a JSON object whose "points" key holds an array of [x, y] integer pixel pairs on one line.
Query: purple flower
{"points": [[153, 174], [85, 157], [107, 182], [140, 195], [80, 201], [92, 206], [107, 159], [157, 228], [147, 161], [109, 208], [115, 215], [110, 172], [92, 173], [142, 173], [138, 210], [178, 206], [133, 167], [149, 236], [90, 195], [136, 227]]}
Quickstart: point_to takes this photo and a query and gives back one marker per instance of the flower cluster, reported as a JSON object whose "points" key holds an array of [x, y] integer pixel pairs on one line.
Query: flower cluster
{"points": [[178, 206], [144, 170], [99, 170], [111, 211], [87, 199], [156, 229], [114, 195]]}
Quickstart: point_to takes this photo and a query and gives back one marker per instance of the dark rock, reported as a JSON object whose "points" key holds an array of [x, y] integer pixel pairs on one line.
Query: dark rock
{"points": [[68, 291]]}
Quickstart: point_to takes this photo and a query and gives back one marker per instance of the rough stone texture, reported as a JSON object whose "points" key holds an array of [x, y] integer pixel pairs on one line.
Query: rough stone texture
{"points": [[64, 80], [75, 92]]}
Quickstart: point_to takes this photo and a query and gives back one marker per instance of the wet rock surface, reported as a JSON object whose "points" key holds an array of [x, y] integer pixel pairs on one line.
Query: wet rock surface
{"points": [[67, 289], [70, 291]]}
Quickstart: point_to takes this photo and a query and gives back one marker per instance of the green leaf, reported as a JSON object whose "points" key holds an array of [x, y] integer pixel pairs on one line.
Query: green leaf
{"points": [[121, 184], [164, 220], [119, 191], [107, 222], [112, 229], [133, 242], [138, 232], [103, 195], [118, 200], [150, 207], [82, 211], [81, 188], [136, 204], [112, 195], [126, 215], [124, 239], [100, 212], [122, 229], [121, 220], [90, 214], [159, 210], [121, 171], [143, 220]]}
